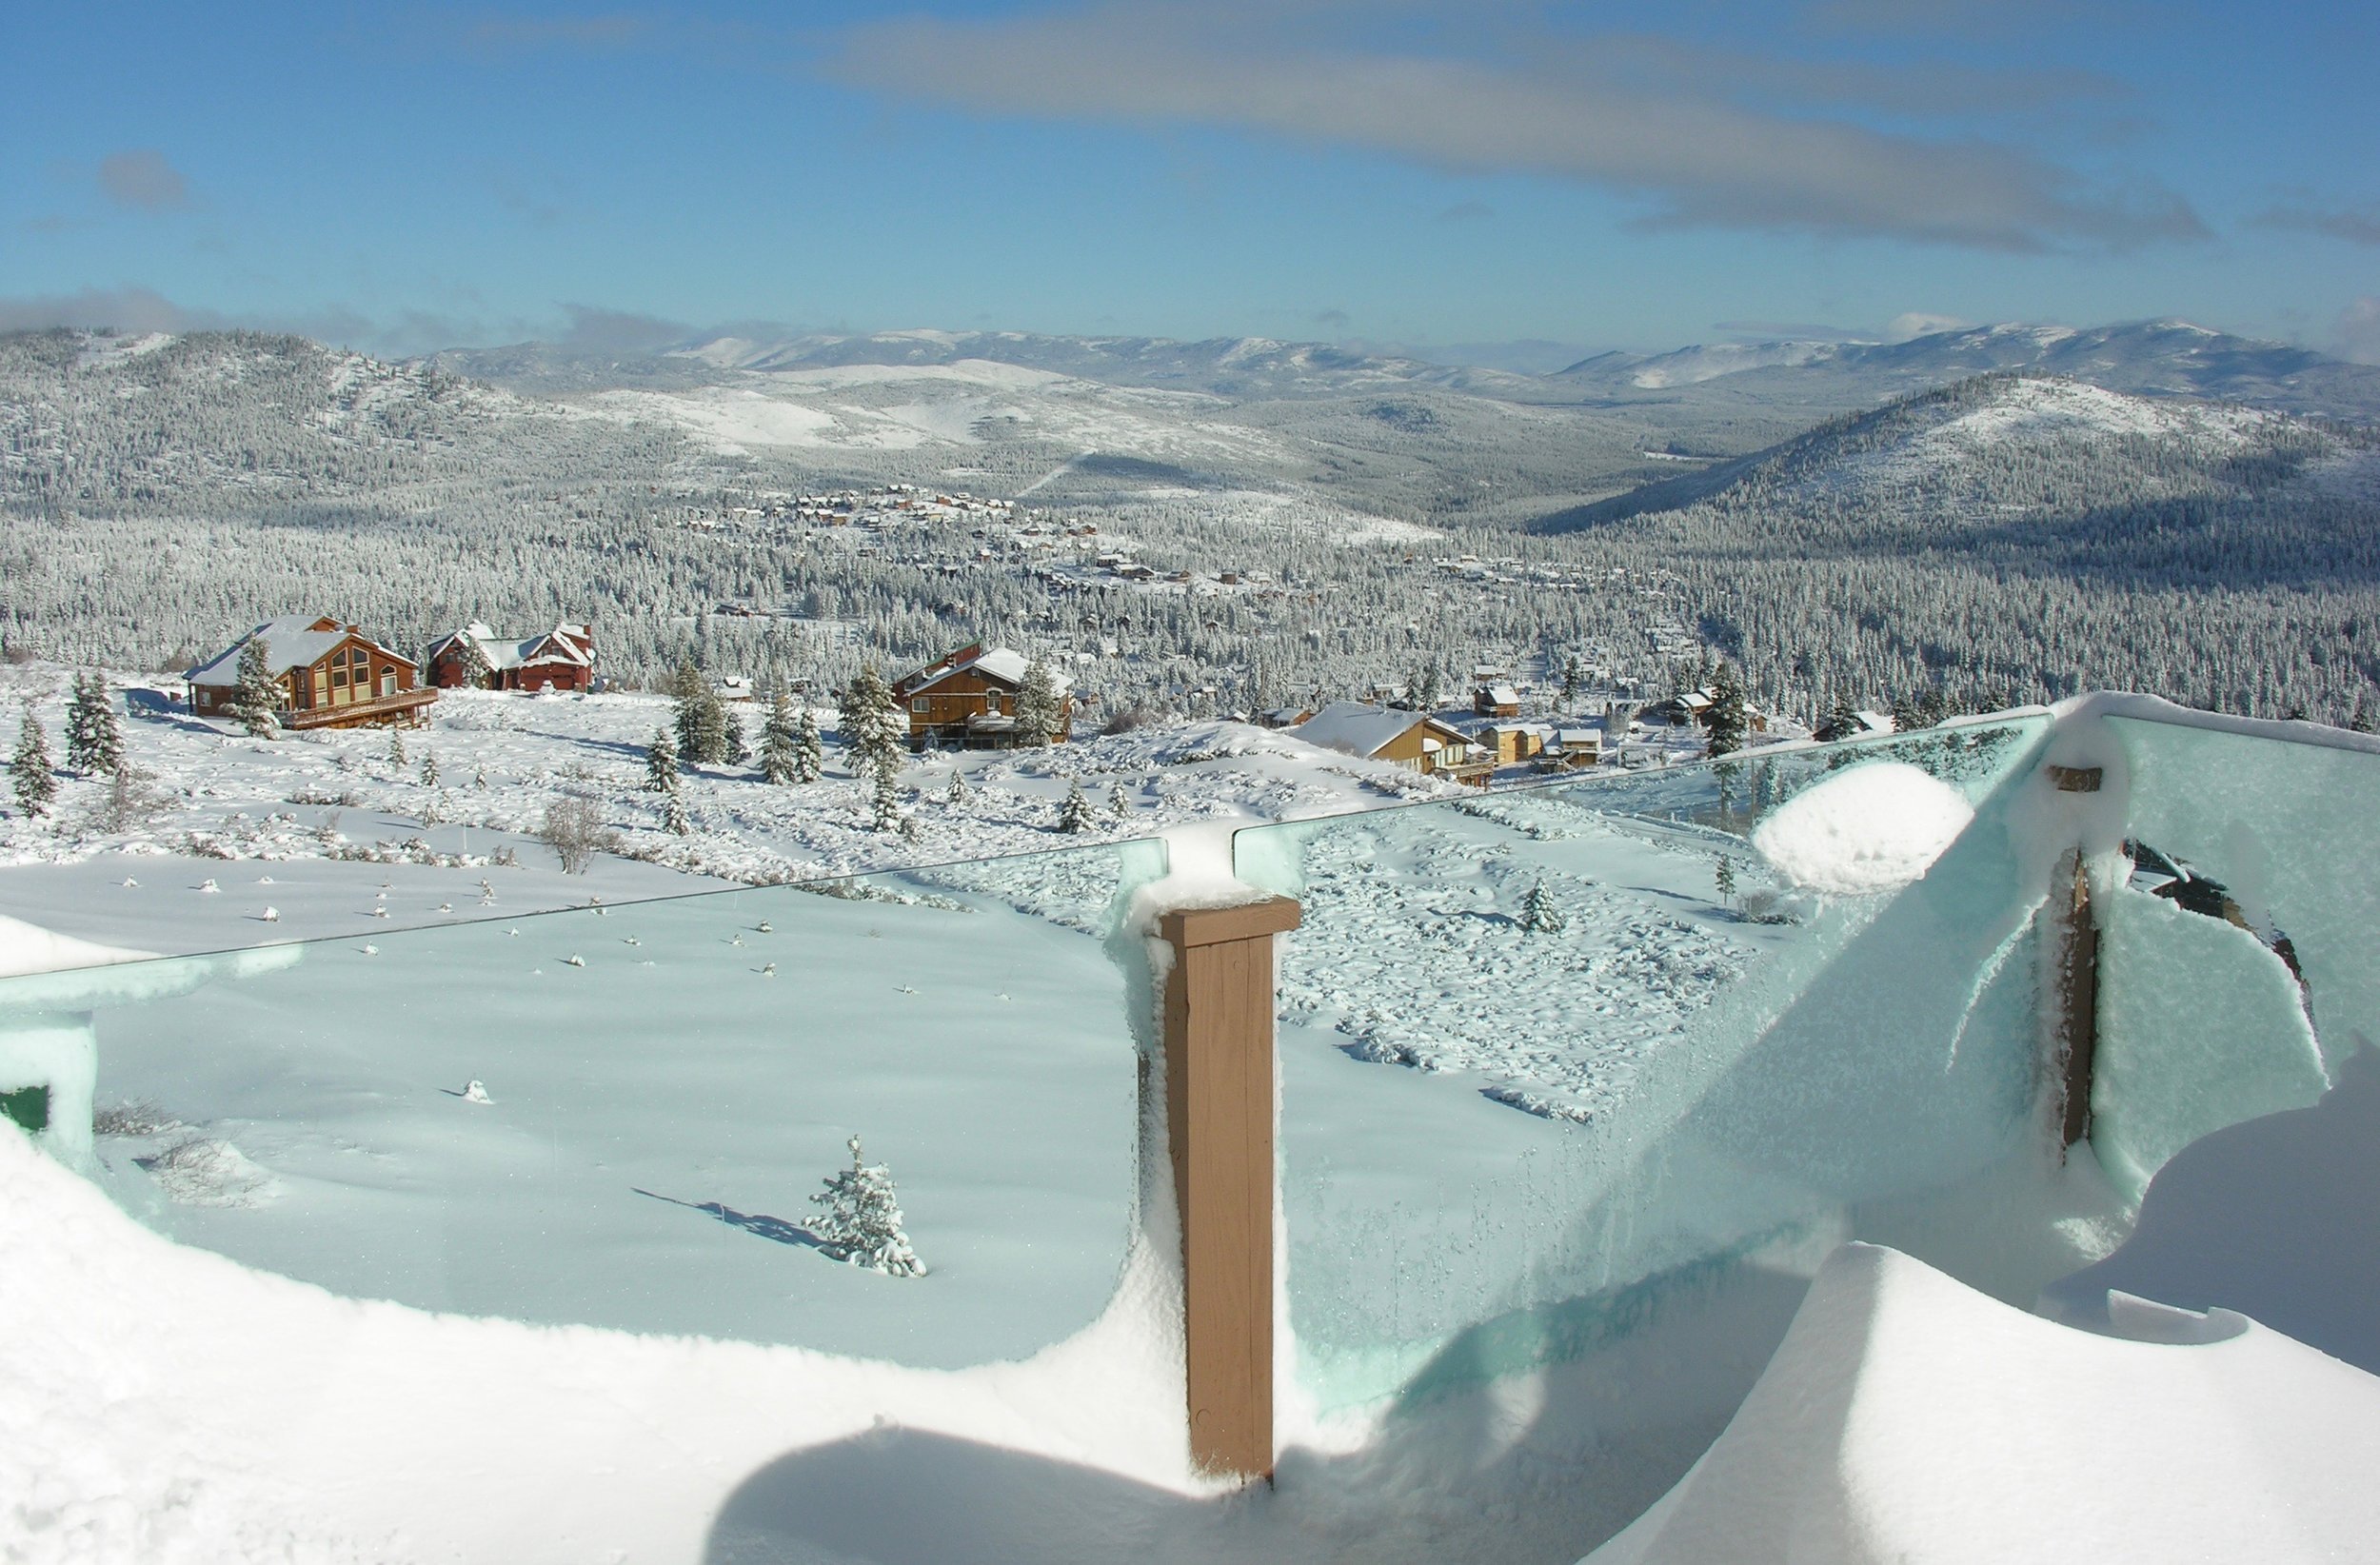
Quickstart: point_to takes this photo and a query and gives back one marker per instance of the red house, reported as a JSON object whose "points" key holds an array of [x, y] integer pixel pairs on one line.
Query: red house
{"points": [[968, 697], [476, 658]]}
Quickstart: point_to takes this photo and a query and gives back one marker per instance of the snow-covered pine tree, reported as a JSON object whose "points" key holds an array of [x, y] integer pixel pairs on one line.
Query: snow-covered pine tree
{"points": [[2360, 721], [94, 741], [686, 690], [1038, 716], [809, 751], [396, 748], [871, 724], [779, 740], [1119, 802], [255, 702], [661, 760], [885, 801], [673, 815], [1840, 723], [1723, 877], [1727, 720], [430, 768], [956, 792], [476, 668], [28, 769], [1075, 815], [1538, 913], [860, 1220]]}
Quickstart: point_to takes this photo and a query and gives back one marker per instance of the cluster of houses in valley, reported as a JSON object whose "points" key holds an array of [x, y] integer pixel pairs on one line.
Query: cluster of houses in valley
{"points": [[331, 675]]}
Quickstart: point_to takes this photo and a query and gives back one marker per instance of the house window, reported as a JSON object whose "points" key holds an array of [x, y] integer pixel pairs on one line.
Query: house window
{"points": [[339, 675], [920, 704], [387, 682]]}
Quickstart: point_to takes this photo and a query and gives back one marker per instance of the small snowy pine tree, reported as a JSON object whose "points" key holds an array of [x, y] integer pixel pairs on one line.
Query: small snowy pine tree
{"points": [[1727, 719], [956, 792], [1076, 813], [1039, 715], [885, 801], [673, 816], [1119, 802], [661, 761], [779, 740], [255, 702], [1538, 914], [94, 741], [430, 768], [809, 751], [871, 723], [1724, 878], [28, 770], [396, 748], [860, 1220]]}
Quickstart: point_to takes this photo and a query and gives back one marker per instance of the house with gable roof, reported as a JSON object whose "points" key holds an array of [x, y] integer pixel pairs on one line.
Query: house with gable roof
{"points": [[968, 698], [1413, 739], [331, 676], [476, 657]]}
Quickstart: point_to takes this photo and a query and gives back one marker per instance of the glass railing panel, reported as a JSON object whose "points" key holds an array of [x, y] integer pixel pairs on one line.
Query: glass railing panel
{"points": [[2237, 968], [618, 1115], [1503, 1145]]}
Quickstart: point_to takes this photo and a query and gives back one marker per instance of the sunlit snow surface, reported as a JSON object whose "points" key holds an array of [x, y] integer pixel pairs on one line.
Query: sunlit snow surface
{"points": [[668, 1083]]}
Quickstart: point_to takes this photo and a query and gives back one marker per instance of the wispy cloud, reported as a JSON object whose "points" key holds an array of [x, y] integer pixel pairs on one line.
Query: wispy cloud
{"points": [[142, 178], [1708, 152], [2357, 336], [1466, 211], [2356, 224]]}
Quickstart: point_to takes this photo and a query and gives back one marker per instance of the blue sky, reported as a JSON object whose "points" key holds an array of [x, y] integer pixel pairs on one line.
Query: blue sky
{"points": [[1640, 176]]}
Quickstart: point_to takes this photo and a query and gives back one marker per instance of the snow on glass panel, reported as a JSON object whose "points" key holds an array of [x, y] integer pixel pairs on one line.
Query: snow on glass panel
{"points": [[650, 1116], [1552, 1056]]}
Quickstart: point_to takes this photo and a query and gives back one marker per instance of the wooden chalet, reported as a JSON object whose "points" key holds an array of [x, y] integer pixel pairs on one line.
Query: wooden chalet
{"points": [[477, 657], [331, 676], [1413, 739], [1496, 701], [968, 698]]}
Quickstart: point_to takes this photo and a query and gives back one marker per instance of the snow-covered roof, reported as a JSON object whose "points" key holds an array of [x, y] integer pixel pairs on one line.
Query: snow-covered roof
{"points": [[1002, 663], [1503, 695], [290, 641], [565, 644], [1355, 727]]}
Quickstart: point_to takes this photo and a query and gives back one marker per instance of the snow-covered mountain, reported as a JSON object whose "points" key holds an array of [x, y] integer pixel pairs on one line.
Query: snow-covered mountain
{"points": [[2149, 358]]}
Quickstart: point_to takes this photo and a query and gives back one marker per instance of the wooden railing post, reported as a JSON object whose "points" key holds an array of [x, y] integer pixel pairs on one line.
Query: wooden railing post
{"points": [[1219, 1116], [2078, 1044]]}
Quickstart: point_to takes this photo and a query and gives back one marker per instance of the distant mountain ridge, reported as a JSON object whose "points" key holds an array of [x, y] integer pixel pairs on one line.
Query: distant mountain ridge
{"points": [[2149, 358]]}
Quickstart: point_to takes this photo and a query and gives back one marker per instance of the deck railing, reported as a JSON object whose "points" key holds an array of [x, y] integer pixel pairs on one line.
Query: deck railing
{"points": [[1568, 1076]]}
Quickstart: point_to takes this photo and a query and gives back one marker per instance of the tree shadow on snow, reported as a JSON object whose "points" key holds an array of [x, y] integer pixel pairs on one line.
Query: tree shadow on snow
{"points": [[776, 1230]]}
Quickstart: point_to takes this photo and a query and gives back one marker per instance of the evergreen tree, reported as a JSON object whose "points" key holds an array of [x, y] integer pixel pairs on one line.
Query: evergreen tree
{"points": [[687, 688], [255, 702], [673, 816], [1723, 877], [1840, 723], [1037, 713], [1075, 815], [957, 793], [872, 728], [1922, 710], [430, 768], [28, 770], [779, 740], [1572, 674], [809, 751], [1538, 914], [476, 668], [2361, 721], [93, 740], [860, 1220], [1119, 802], [661, 760], [396, 747], [885, 801], [1728, 720]]}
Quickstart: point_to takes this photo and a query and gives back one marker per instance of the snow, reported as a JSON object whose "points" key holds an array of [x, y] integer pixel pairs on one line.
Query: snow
{"points": [[1910, 1420], [1357, 728], [29, 948], [1868, 828]]}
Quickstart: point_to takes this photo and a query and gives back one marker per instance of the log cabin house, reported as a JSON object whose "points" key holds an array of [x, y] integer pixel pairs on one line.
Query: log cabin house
{"points": [[331, 676], [1412, 739], [476, 657], [968, 698]]}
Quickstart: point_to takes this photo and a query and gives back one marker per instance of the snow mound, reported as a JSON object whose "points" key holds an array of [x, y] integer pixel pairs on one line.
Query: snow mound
{"points": [[1868, 828], [1910, 1419], [29, 948]]}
